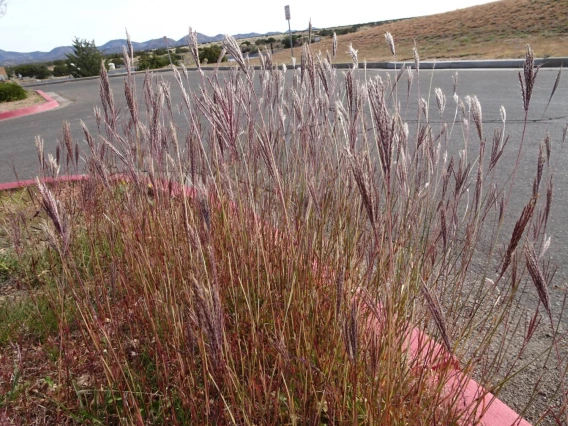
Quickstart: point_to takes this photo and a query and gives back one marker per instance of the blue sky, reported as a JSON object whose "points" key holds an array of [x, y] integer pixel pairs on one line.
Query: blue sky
{"points": [[41, 25]]}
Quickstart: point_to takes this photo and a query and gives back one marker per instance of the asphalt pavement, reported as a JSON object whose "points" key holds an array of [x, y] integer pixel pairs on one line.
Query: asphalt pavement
{"points": [[494, 88]]}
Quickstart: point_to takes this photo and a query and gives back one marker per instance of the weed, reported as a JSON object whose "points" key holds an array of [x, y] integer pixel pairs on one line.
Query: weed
{"points": [[279, 260]]}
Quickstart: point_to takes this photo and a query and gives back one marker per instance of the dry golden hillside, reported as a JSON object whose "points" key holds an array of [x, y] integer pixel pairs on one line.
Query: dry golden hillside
{"points": [[491, 31]]}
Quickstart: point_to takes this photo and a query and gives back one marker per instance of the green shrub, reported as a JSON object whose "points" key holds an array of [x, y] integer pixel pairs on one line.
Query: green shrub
{"points": [[11, 92], [249, 48], [286, 41], [148, 62], [33, 71], [61, 70], [211, 53]]}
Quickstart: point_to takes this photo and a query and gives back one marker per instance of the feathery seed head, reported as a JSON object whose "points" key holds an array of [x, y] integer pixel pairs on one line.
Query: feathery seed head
{"points": [[334, 46], [353, 54], [193, 49], [416, 58], [423, 107], [390, 42], [477, 117], [440, 100]]}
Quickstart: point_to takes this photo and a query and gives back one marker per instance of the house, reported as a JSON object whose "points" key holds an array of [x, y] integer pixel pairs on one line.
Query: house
{"points": [[3, 74]]}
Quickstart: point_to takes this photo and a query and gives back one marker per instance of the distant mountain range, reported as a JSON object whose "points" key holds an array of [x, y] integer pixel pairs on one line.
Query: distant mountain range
{"points": [[113, 46]]}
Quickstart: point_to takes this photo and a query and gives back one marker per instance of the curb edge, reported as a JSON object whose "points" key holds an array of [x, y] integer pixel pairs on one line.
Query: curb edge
{"points": [[49, 103]]}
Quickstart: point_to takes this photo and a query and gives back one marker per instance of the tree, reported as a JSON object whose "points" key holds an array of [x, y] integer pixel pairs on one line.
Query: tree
{"points": [[42, 72], [86, 59], [211, 53], [286, 41], [61, 70]]}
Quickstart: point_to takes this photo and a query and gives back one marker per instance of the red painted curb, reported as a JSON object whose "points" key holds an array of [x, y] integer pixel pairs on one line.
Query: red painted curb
{"points": [[483, 405], [23, 183], [49, 103]]}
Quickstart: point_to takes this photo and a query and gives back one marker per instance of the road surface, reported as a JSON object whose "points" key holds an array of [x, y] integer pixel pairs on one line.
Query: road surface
{"points": [[493, 88]]}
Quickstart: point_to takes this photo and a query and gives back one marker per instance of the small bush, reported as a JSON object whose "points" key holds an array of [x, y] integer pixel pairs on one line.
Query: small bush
{"points": [[211, 53], [249, 48], [148, 62], [61, 70], [33, 71], [286, 41], [11, 92]]}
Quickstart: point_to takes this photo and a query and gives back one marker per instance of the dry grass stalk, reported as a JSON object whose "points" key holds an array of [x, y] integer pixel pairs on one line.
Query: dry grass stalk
{"points": [[416, 58], [518, 232], [291, 196], [554, 87], [435, 310], [527, 78], [193, 49], [390, 42], [334, 46], [354, 59], [538, 279]]}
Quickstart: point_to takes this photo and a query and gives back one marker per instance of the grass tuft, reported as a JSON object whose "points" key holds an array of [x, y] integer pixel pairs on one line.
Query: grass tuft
{"points": [[279, 260]]}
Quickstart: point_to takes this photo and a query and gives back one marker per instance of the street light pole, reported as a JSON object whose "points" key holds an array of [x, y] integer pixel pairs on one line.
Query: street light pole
{"points": [[287, 13]]}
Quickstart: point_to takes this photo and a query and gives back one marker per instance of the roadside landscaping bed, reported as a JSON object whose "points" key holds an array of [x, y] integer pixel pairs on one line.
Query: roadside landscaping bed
{"points": [[267, 263], [32, 99]]}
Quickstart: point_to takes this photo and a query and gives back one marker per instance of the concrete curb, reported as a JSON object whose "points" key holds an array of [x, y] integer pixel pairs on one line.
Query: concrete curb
{"points": [[431, 357], [49, 103], [483, 405], [478, 64], [429, 65], [7, 186]]}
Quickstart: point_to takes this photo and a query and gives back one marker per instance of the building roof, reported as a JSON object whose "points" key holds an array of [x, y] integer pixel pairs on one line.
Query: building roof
{"points": [[3, 72]]}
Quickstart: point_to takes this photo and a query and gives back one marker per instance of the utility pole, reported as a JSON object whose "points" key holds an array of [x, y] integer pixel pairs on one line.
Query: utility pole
{"points": [[287, 13]]}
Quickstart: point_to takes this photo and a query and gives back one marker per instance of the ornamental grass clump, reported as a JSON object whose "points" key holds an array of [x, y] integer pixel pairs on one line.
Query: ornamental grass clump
{"points": [[270, 261]]}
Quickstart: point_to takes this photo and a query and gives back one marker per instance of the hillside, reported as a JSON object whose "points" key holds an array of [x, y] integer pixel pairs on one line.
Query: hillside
{"points": [[112, 46], [491, 31]]}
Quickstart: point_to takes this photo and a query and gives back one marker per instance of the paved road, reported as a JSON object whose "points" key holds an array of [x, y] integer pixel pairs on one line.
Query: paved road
{"points": [[493, 88]]}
